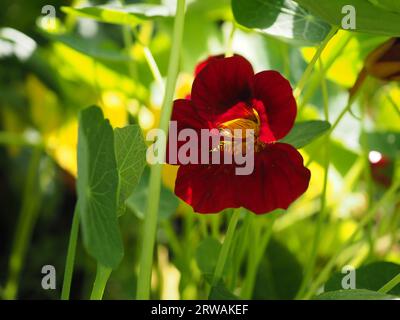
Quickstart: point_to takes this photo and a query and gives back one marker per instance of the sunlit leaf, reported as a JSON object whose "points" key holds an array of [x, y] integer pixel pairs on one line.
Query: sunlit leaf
{"points": [[89, 47], [369, 18], [130, 153], [303, 133], [97, 188], [391, 5], [344, 69], [127, 15], [280, 18]]}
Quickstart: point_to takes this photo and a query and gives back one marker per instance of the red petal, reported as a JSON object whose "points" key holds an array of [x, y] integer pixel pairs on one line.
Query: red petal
{"points": [[276, 94], [278, 179], [222, 84], [201, 65], [206, 187], [186, 117]]}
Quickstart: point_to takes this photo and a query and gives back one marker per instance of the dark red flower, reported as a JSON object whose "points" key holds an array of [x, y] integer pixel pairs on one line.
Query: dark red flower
{"points": [[226, 94], [381, 168], [200, 66]]}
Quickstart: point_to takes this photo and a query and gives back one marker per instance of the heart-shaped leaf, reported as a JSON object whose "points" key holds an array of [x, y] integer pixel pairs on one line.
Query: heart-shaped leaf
{"points": [[137, 202], [371, 277], [284, 19], [303, 133], [130, 153], [97, 188]]}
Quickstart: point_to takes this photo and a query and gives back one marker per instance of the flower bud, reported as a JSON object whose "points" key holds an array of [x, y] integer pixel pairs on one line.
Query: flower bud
{"points": [[384, 62]]}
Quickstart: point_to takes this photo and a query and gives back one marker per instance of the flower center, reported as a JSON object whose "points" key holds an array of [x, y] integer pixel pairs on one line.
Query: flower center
{"points": [[241, 134]]}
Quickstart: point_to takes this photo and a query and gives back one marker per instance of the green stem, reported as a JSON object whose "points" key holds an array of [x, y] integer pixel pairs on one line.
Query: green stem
{"points": [[367, 218], [394, 104], [155, 71], [223, 255], [240, 249], [128, 43], [255, 256], [316, 80], [390, 285], [69, 263], [26, 222], [150, 223], [100, 282], [172, 238], [307, 73], [229, 45], [318, 230], [334, 126], [251, 268]]}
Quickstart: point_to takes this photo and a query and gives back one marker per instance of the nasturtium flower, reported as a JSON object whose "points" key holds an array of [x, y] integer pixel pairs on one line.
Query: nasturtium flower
{"points": [[226, 94]]}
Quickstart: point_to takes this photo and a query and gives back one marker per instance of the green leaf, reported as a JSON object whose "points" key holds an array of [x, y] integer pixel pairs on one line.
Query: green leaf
{"points": [[97, 188], [89, 48], [284, 19], [207, 255], [370, 18], [130, 153], [371, 277], [357, 294], [279, 275], [137, 202], [220, 292], [391, 5], [127, 15], [303, 133]]}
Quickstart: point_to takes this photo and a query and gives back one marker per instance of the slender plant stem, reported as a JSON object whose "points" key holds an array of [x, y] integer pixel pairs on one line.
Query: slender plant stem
{"points": [[229, 45], [394, 104], [69, 263], [315, 81], [223, 255], [26, 222], [367, 218], [251, 259], [240, 249], [172, 238], [390, 285], [334, 125], [100, 282], [155, 71], [309, 270], [256, 256], [307, 73], [128, 42], [150, 223], [318, 229]]}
